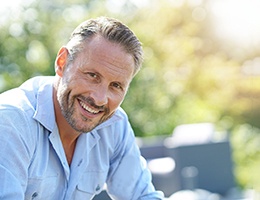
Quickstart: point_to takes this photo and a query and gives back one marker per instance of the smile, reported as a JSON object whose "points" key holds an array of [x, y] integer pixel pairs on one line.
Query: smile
{"points": [[87, 108]]}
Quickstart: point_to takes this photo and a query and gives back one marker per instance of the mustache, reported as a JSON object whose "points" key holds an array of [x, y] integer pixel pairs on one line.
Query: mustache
{"points": [[92, 103]]}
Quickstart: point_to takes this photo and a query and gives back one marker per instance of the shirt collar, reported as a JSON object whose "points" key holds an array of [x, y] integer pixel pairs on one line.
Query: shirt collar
{"points": [[44, 112], [115, 117]]}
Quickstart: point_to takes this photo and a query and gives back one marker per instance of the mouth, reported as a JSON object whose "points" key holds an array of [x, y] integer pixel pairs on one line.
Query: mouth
{"points": [[88, 109]]}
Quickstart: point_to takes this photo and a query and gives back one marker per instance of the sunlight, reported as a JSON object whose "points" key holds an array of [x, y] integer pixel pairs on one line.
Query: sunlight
{"points": [[116, 6], [11, 9], [6, 9], [237, 20], [10, 4]]}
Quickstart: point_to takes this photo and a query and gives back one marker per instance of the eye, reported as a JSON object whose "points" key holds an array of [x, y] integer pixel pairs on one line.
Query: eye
{"points": [[92, 75], [116, 86]]}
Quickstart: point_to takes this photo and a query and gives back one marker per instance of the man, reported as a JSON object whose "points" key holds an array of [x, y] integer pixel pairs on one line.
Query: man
{"points": [[64, 137]]}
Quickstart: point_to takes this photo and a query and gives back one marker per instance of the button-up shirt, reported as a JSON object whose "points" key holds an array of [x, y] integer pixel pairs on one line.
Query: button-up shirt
{"points": [[33, 164]]}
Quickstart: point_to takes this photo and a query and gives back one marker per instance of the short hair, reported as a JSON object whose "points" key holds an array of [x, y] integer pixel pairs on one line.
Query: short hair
{"points": [[110, 29]]}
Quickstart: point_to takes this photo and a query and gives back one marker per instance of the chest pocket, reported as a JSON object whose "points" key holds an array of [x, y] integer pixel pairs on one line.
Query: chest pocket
{"points": [[41, 188], [90, 185]]}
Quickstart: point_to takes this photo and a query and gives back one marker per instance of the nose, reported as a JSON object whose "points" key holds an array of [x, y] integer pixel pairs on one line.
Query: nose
{"points": [[100, 95]]}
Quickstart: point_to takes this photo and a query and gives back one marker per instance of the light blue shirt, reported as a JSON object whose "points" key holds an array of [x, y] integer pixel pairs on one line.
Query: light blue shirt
{"points": [[33, 164]]}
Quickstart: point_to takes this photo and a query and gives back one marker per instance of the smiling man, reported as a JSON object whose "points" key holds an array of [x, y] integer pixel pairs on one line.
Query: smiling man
{"points": [[64, 137]]}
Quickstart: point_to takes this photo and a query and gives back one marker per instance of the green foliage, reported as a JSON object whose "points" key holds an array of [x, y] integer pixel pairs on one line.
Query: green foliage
{"points": [[246, 140], [184, 78], [188, 76]]}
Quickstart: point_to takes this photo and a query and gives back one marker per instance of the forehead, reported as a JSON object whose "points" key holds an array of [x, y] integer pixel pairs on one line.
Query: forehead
{"points": [[100, 54]]}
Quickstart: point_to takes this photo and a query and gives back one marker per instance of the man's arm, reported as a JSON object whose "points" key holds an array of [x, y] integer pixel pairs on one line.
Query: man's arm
{"points": [[14, 154], [129, 177]]}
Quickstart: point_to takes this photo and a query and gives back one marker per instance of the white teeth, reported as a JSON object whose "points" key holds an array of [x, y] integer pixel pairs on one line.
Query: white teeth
{"points": [[88, 108]]}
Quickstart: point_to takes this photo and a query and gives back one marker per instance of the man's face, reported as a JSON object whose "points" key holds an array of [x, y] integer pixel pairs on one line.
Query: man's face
{"points": [[94, 85]]}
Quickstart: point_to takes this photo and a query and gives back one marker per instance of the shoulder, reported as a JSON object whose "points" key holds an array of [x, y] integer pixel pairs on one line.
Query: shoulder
{"points": [[23, 97], [17, 108], [121, 112]]}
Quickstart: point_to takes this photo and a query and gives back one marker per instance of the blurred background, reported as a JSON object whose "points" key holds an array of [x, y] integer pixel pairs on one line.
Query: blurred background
{"points": [[202, 64]]}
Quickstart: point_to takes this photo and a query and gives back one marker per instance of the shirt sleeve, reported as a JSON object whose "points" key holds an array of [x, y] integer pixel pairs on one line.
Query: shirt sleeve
{"points": [[14, 154], [129, 177]]}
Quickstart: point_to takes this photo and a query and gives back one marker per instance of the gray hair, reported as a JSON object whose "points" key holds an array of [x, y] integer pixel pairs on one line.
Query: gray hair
{"points": [[112, 30]]}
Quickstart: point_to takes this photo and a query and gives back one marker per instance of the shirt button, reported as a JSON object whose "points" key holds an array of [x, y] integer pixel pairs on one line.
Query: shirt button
{"points": [[34, 195], [97, 188], [80, 162]]}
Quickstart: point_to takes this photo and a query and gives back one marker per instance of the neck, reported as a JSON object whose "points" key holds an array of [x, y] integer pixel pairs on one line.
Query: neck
{"points": [[69, 148]]}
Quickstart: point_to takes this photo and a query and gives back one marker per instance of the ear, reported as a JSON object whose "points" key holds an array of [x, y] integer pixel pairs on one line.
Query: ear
{"points": [[61, 61]]}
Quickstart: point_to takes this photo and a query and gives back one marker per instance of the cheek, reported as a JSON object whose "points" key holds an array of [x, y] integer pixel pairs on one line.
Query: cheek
{"points": [[62, 88], [73, 85], [65, 90], [116, 102], [62, 95]]}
